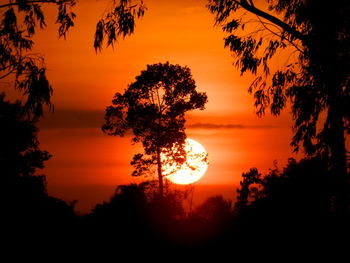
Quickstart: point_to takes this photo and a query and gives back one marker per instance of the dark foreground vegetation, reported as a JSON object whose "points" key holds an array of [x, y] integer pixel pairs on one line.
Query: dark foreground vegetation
{"points": [[286, 210]]}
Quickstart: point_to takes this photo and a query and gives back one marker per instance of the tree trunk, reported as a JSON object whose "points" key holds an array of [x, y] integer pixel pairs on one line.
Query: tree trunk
{"points": [[160, 175], [336, 143]]}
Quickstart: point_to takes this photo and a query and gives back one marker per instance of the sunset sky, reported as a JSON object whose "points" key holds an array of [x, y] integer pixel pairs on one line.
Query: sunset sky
{"points": [[84, 82]]}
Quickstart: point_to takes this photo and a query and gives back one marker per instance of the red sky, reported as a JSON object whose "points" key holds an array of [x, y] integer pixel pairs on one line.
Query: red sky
{"points": [[84, 83]]}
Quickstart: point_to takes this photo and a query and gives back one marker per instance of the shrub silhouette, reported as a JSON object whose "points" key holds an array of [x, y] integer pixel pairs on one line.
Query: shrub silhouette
{"points": [[26, 207], [293, 204]]}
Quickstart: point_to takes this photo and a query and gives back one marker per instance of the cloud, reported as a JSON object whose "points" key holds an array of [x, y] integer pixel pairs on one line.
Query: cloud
{"points": [[213, 126], [72, 119]]}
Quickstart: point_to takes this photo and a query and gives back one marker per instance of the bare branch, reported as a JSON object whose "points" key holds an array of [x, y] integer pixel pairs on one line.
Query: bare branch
{"points": [[7, 74], [251, 8], [274, 33], [33, 2]]}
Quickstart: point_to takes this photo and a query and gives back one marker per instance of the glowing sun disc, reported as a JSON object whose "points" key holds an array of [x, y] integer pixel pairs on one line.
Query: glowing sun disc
{"points": [[193, 169]]}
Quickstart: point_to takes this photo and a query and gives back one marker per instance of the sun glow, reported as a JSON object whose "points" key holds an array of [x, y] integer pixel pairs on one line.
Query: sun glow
{"points": [[192, 169]]}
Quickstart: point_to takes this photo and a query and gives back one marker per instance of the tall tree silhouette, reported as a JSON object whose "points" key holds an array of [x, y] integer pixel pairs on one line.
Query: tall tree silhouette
{"points": [[315, 76], [249, 190], [19, 21], [153, 108]]}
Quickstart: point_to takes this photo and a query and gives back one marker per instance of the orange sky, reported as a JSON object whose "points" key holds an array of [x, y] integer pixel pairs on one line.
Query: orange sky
{"points": [[84, 83]]}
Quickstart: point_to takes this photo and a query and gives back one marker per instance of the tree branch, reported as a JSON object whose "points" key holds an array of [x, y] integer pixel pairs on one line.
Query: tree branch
{"points": [[251, 8], [32, 2], [274, 33], [159, 105], [7, 74]]}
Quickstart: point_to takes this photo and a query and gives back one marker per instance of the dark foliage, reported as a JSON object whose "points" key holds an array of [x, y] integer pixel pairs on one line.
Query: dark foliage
{"points": [[215, 210], [134, 216], [19, 21], [27, 211], [287, 211], [282, 212], [118, 22], [19, 152], [313, 38], [292, 205]]}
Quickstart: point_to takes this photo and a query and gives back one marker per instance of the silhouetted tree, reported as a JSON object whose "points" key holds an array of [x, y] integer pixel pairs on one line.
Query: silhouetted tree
{"points": [[153, 108], [314, 36], [250, 189]]}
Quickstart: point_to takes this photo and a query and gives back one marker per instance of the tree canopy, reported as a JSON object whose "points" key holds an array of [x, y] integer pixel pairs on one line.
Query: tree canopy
{"points": [[314, 77], [153, 108], [322, 56]]}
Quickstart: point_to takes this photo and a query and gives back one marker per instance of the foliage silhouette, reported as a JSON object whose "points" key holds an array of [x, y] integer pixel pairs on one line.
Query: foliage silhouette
{"points": [[249, 189], [315, 76], [153, 108], [292, 208], [20, 153], [26, 207], [123, 214], [19, 22], [134, 214], [215, 209], [211, 219], [290, 204], [118, 22]]}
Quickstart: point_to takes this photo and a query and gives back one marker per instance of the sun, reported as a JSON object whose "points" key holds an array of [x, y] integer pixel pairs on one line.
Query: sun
{"points": [[192, 169]]}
